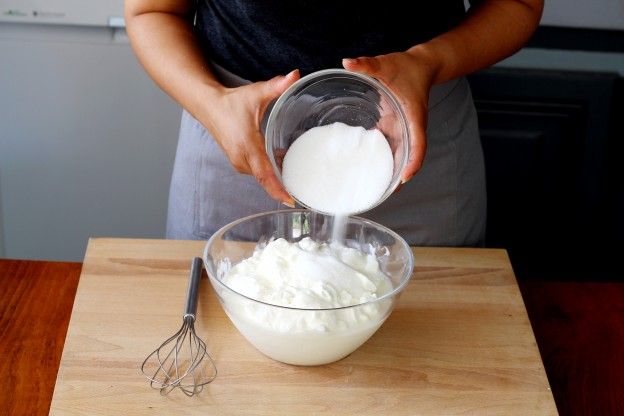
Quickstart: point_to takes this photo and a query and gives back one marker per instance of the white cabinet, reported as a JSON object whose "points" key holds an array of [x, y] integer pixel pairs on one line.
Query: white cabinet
{"points": [[87, 141], [64, 12]]}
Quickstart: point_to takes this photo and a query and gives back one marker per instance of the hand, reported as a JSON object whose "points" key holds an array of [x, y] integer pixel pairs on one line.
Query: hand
{"points": [[234, 121], [409, 75]]}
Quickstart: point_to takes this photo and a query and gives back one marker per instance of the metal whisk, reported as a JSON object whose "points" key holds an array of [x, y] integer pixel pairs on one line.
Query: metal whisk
{"points": [[182, 360]]}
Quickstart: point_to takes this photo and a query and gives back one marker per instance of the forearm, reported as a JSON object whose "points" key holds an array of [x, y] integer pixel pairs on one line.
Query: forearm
{"points": [[166, 47], [162, 37], [493, 31]]}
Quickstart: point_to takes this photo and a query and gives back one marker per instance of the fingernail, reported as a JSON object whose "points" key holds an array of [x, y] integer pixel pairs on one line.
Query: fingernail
{"points": [[290, 204], [405, 180]]}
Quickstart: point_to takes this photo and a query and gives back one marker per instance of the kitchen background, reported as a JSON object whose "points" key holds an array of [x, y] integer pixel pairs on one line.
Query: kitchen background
{"points": [[87, 141]]}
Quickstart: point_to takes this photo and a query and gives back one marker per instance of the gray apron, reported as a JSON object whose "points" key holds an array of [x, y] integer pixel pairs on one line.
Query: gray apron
{"points": [[443, 205]]}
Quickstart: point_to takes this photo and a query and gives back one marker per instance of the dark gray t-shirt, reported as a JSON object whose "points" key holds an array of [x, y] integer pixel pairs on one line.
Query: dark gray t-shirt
{"points": [[258, 39]]}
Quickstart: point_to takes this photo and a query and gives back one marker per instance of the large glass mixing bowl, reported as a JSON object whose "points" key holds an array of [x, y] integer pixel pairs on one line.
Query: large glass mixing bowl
{"points": [[337, 95], [306, 336]]}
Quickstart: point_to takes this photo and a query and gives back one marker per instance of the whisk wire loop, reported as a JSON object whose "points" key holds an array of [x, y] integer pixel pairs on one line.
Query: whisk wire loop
{"points": [[182, 360]]}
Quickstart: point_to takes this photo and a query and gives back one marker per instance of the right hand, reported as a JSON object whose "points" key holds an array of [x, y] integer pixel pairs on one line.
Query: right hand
{"points": [[234, 121]]}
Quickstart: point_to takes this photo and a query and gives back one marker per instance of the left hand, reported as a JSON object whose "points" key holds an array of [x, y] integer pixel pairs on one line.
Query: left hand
{"points": [[409, 75]]}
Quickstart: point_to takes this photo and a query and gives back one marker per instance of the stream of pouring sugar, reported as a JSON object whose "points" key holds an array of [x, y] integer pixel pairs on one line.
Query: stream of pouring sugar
{"points": [[339, 229]]}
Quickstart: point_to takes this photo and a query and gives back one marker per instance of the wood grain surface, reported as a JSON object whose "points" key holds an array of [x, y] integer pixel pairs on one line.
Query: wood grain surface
{"points": [[459, 342], [579, 328], [35, 306]]}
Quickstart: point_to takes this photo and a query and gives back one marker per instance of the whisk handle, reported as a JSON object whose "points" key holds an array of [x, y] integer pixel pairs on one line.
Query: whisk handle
{"points": [[191, 296]]}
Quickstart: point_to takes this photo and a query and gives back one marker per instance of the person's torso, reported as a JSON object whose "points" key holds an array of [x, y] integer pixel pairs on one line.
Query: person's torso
{"points": [[258, 39]]}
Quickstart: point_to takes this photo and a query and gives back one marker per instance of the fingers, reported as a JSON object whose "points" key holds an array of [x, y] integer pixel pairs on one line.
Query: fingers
{"points": [[257, 158], [384, 71], [262, 170], [418, 128], [279, 155], [252, 160]]}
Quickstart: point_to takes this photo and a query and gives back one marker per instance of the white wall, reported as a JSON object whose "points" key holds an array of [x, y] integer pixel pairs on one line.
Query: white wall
{"points": [[591, 14], [87, 141]]}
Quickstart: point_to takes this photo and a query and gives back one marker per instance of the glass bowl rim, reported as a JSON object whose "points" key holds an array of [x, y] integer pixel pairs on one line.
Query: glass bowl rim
{"points": [[405, 277]]}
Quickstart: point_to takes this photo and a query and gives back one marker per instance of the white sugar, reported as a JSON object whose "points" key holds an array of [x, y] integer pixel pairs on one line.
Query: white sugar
{"points": [[338, 169]]}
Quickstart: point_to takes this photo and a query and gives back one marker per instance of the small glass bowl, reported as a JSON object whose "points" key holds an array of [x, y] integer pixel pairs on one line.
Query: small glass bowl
{"points": [[306, 336], [337, 95]]}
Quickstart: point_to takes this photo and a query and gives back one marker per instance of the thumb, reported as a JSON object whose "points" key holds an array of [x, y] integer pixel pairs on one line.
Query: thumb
{"points": [[274, 87], [365, 64]]}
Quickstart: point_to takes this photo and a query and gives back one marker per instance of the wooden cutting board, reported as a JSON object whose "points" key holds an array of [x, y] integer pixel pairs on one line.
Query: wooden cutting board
{"points": [[459, 342]]}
